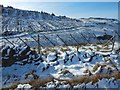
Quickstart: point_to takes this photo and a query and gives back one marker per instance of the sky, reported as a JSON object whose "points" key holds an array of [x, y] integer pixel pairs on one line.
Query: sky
{"points": [[70, 9]]}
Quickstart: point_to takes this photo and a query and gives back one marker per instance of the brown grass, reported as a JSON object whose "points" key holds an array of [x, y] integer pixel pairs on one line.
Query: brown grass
{"points": [[12, 87], [94, 78], [65, 72], [116, 75], [32, 73], [86, 71], [83, 79], [80, 80], [96, 67], [98, 48], [37, 83], [63, 49]]}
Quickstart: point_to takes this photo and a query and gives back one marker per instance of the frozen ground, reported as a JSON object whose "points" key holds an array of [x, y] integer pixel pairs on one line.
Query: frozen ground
{"points": [[64, 64], [78, 56]]}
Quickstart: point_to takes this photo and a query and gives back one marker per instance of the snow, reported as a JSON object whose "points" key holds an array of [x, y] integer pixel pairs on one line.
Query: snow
{"points": [[57, 59], [51, 56], [105, 83], [53, 26], [76, 63], [24, 86]]}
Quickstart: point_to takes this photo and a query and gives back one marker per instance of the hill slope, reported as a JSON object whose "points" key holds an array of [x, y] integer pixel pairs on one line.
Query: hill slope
{"points": [[24, 20]]}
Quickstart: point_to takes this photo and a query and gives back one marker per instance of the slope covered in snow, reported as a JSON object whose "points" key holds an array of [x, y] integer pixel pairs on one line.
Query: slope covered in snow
{"points": [[84, 52], [23, 21], [63, 63]]}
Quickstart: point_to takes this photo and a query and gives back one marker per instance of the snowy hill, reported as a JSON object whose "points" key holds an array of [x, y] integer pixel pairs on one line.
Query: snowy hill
{"points": [[24, 21], [84, 52], [27, 20]]}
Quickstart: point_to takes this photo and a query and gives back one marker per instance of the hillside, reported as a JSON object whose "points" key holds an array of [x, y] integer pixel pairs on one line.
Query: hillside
{"points": [[74, 53], [24, 21]]}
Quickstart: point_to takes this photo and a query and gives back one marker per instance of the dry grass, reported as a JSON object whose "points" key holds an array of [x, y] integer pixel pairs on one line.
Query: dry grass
{"points": [[64, 49], [98, 48], [37, 83], [11, 87], [116, 75], [85, 79], [96, 67], [104, 65], [34, 83], [106, 76], [65, 72], [80, 80], [1, 62], [94, 78], [32, 73], [86, 71]]}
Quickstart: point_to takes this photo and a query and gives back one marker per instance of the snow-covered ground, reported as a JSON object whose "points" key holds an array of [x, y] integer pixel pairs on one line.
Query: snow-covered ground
{"points": [[82, 52], [64, 63]]}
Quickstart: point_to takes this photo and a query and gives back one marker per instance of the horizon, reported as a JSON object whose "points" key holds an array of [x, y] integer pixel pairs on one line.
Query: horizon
{"points": [[71, 9]]}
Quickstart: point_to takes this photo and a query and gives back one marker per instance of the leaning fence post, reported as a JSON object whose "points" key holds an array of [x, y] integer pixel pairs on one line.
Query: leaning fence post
{"points": [[113, 43], [77, 47], [39, 44]]}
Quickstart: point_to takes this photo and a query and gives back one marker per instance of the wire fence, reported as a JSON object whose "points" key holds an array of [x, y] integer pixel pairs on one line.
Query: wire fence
{"points": [[58, 38]]}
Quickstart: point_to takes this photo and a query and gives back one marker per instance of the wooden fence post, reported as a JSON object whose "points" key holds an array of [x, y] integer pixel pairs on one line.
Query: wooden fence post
{"points": [[39, 44], [77, 47]]}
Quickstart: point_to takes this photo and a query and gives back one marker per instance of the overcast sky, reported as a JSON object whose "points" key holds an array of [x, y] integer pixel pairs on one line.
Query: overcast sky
{"points": [[71, 9]]}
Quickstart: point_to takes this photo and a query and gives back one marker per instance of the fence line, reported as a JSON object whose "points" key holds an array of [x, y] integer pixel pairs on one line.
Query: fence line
{"points": [[23, 41], [74, 39], [64, 40], [85, 38], [9, 42], [49, 40], [36, 40]]}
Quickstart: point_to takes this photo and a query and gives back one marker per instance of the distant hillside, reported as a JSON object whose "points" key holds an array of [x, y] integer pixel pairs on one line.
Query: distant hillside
{"points": [[16, 20]]}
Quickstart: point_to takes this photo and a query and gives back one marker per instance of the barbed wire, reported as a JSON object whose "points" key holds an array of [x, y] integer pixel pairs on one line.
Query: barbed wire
{"points": [[55, 37]]}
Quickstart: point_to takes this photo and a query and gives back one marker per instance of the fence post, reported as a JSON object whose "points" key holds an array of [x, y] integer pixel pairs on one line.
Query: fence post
{"points": [[39, 44], [35, 40], [113, 43], [77, 47]]}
